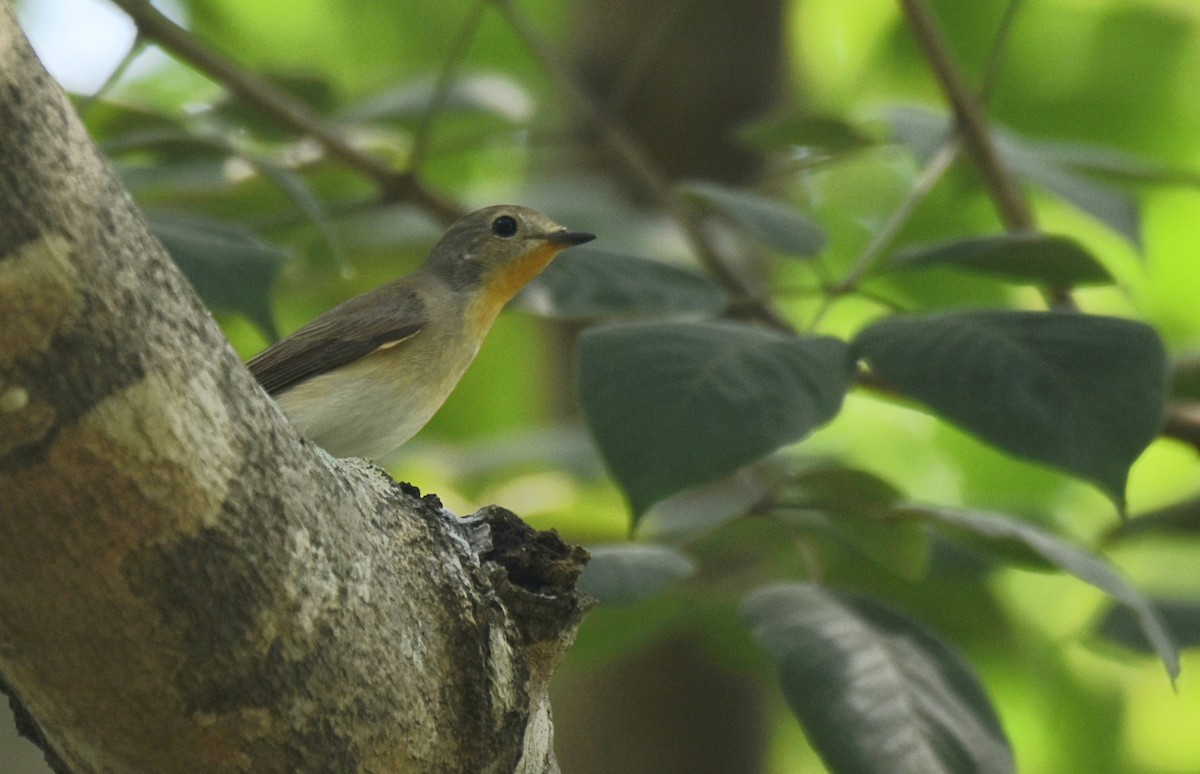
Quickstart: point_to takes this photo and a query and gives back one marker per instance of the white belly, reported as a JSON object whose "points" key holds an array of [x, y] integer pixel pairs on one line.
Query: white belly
{"points": [[367, 409]]}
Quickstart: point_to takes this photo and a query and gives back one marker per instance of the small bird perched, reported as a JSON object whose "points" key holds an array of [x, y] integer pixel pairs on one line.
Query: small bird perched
{"points": [[364, 377]]}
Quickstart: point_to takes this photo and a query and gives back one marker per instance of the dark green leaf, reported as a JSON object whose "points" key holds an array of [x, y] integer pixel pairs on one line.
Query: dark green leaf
{"points": [[1083, 564], [105, 118], [1181, 616], [824, 134], [297, 189], [627, 572], [231, 268], [1080, 393], [777, 225], [676, 405], [1110, 206], [312, 89], [585, 284], [1031, 258], [874, 691], [1171, 521]]}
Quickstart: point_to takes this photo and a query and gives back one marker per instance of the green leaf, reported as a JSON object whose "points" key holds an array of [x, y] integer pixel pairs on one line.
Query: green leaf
{"points": [[231, 268], [486, 93], [826, 134], [1181, 616], [1031, 258], [1083, 564], [674, 405], [874, 691], [1110, 206], [1080, 393], [777, 225], [857, 507], [1110, 162], [627, 572], [585, 284]]}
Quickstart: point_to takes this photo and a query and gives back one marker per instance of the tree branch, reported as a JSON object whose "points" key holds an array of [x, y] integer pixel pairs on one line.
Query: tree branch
{"points": [[394, 186], [185, 584]]}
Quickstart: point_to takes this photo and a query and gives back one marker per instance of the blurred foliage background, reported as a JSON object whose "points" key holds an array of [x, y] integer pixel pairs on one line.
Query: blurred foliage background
{"points": [[822, 104]]}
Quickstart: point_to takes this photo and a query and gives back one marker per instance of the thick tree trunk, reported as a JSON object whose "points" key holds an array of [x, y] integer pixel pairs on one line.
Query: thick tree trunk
{"points": [[185, 585]]}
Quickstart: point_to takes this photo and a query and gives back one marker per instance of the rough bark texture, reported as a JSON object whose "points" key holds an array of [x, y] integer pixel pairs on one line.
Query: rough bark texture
{"points": [[185, 585]]}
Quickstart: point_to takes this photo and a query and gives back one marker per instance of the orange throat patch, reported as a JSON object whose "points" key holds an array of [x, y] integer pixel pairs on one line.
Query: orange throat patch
{"points": [[503, 283]]}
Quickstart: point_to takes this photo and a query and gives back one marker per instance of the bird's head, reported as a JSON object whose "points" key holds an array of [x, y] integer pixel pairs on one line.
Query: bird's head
{"points": [[494, 251]]}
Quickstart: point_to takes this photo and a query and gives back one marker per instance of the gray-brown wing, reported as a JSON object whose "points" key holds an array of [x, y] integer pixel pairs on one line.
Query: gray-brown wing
{"points": [[383, 318]]}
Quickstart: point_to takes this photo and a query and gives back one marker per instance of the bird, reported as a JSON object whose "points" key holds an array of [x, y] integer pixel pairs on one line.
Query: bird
{"points": [[362, 378]]}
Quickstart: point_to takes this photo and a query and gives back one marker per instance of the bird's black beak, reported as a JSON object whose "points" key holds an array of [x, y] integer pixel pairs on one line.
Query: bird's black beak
{"points": [[569, 238]]}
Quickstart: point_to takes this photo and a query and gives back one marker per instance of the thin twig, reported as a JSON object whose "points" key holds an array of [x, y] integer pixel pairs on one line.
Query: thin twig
{"points": [[642, 169], [1182, 422], [995, 62], [972, 124], [935, 168], [135, 50], [441, 88], [286, 110]]}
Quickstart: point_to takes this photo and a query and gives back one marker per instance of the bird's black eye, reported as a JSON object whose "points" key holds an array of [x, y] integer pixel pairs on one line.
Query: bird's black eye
{"points": [[504, 226]]}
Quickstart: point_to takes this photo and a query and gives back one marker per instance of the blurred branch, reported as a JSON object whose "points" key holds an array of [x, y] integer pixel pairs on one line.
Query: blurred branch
{"points": [[394, 186], [445, 79], [1182, 422], [629, 154], [935, 168], [995, 62], [972, 125]]}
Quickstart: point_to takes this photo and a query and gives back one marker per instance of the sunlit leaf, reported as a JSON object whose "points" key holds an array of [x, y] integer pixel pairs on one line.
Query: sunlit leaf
{"points": [[1181, 617], [676, 405], [627, 572], [1080, 393], [231, 268], [777, 225], [1083, 564], [875, 692], [1029, 258], [588, 284]]}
